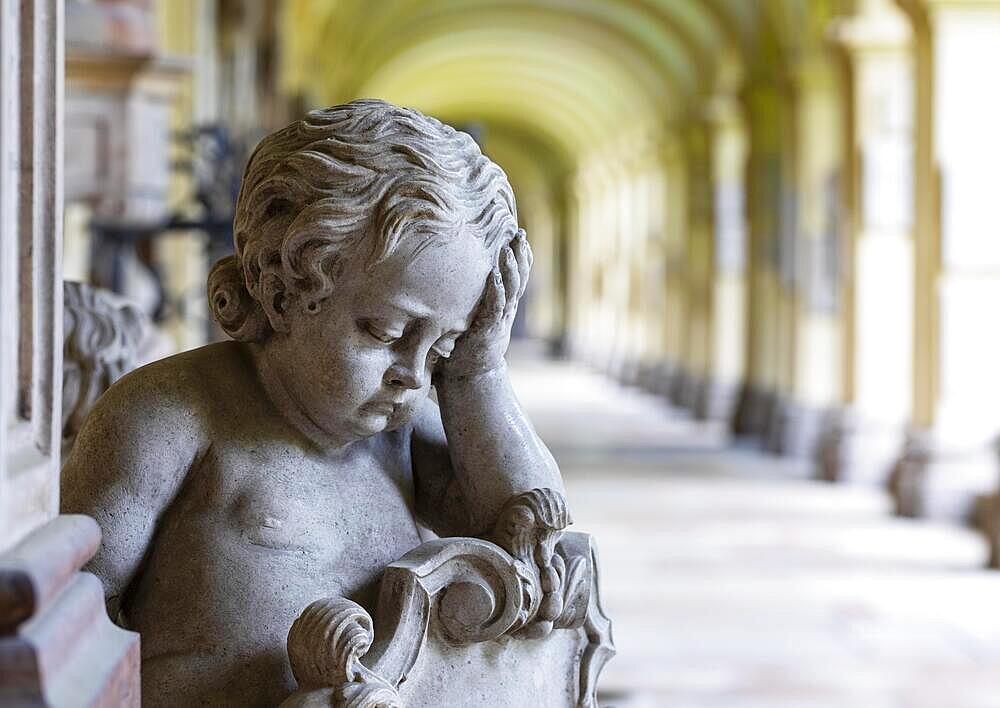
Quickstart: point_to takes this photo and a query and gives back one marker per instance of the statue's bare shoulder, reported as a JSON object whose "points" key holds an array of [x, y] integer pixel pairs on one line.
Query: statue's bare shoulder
{"points": [[166, 407], [142, 437]]}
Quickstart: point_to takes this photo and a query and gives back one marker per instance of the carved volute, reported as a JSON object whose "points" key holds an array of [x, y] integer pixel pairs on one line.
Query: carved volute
{"points": [[530, 586]]}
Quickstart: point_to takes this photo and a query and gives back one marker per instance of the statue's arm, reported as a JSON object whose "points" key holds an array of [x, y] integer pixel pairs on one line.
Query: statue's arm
{"points": [[492, 452], [489, 454], [126, 466], [440, 502]]}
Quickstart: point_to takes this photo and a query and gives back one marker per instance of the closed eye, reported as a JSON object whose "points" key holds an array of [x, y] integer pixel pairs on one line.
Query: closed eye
{"points": [[383, 334], [436, 354], [445, 345], [442, 348]]}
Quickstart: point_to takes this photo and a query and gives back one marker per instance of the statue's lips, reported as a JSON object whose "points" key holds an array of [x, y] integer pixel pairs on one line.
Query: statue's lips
{"points": [[386, 408]]}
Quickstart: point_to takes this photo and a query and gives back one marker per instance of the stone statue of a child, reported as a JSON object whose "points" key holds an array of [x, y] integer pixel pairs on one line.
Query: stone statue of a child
{"points": [[377, 251]]}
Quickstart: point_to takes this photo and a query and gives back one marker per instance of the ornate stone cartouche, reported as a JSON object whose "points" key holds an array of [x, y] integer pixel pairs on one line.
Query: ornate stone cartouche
{"points": [[530, 600]]}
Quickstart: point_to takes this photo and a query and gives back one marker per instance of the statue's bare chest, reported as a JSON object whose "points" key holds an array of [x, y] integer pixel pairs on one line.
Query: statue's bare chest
{"points": [[251, 519], [262, 530], [275, 496]]}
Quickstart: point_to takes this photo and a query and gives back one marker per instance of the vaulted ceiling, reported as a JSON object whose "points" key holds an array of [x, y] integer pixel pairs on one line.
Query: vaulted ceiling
{"points": [[555, 79]]}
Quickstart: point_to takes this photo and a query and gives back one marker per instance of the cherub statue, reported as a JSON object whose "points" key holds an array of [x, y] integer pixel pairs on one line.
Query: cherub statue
{"points": [[377, 255]]}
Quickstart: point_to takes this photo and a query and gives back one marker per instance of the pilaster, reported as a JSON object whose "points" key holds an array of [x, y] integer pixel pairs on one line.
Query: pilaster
{"points": [[862, 439], [811, 232], [726, 330], [767, 205], [948, 464], [675, 283]]}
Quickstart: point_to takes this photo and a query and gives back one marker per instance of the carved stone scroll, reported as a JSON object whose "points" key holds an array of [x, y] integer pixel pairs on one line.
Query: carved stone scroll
{"points": [[462, 621], [325, 646], [529, 526]]}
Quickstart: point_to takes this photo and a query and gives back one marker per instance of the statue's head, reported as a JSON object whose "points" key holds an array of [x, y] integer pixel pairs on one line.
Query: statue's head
{"points": [[364, 234]]}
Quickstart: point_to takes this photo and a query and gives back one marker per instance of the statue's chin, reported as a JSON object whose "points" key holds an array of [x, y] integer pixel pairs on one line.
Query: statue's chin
{"points": [[369, 424], [397, 420]]}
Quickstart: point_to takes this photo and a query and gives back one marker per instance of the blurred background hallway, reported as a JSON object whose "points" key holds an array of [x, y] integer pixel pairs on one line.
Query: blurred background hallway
{"points": [[760, 331], [736, 581]]}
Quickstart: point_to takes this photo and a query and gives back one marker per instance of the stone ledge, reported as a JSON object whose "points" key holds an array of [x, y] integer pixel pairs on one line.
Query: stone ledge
{"points": [[57, 645]]}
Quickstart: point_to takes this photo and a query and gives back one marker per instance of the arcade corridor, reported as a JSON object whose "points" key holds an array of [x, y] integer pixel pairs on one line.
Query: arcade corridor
{"points": [[759, 333], [736, 581]]}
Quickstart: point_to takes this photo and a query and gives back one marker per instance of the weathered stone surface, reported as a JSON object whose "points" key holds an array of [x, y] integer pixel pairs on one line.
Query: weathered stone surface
{"points": [[57, 645], [935, 478], [716, 399], [377, 251], [793, 429], [857, 450], [103, 339], [462, 622]]}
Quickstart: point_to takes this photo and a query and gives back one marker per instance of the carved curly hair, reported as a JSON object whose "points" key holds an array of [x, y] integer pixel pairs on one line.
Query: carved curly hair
{"points": [[318, 187]]}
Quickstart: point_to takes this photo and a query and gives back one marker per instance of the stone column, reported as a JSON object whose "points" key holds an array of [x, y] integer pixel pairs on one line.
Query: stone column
{"points": [[31, 202], [651, 271], [675, 285], [57, 646], [587, 275], [640, 244], [809, 266], [577, 299], [956, 382], [783, 278], [632, 218], [618, 206], [767, 207], [543, 219], [862, 438], [698, 271], [726, 350], [598, 322]]}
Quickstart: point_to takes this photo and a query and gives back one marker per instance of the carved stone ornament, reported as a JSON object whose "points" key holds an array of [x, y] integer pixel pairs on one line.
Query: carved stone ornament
{"points": [[102, 339], [466, 622]]}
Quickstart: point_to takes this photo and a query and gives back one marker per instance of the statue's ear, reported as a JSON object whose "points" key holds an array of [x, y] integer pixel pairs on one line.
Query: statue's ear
{"points": [[274, 300]]}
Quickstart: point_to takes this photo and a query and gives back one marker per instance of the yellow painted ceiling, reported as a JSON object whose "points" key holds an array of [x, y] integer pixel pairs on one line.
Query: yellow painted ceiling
{"points": [[559, 78]]}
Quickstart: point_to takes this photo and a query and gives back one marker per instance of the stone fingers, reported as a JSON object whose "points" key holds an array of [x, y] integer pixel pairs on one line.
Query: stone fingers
{"points": [[494, 301], [523, 255], [511, 280]]}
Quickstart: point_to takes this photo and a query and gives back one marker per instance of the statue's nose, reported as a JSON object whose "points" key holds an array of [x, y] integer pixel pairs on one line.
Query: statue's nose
{"points": [[405, 376]]}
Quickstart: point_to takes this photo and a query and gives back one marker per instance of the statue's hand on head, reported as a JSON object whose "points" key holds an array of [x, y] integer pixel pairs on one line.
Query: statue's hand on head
{"points": [[484, 344]]}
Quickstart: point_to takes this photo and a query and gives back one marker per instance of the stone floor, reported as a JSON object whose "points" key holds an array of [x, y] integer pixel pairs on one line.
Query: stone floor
{"points": [[735, 581]]}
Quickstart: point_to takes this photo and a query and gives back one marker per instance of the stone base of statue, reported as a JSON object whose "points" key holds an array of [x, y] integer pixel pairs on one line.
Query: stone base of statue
{"points": [[987, 519], [940, 480], [856, 451], [57, 645], [716, 400], [793, 429], [661, 380], [648, 376], [753, 410], [629, 371], [684, 389], [509, 622]]}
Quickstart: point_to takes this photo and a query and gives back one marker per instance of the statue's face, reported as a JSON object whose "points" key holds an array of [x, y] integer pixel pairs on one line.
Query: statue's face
{"points": [[362, 363]]}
